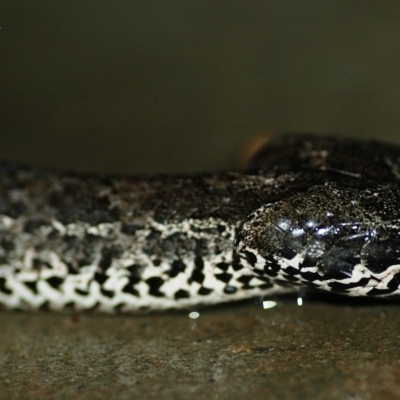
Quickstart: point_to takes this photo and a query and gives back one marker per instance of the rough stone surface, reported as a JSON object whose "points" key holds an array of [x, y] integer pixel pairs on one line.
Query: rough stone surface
{"points": [[322, 350]]}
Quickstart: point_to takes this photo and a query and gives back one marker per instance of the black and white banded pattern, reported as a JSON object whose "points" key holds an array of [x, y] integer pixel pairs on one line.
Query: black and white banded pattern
{"points": [[311, 212]]}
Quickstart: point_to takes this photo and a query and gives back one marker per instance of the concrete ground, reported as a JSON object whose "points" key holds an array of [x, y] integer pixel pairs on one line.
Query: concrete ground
{"points": [[181, 86]]}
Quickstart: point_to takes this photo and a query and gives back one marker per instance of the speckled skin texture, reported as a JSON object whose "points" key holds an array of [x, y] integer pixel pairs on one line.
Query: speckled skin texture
{"points": [[309, 212], [124, 243]]}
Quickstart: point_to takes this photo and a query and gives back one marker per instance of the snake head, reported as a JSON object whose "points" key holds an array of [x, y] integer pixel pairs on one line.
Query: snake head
{"points": [[344, 239]]}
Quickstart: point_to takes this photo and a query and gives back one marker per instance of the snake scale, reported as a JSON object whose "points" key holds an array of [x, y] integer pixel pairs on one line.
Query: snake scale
{"points": [[309, 212]]}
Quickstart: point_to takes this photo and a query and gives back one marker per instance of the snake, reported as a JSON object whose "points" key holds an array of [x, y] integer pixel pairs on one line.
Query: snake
{"points": [[314, 213]]}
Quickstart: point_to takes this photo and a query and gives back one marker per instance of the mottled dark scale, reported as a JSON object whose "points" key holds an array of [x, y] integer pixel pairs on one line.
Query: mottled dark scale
{"points": [[217, 250], [197, 276], [181, 294], [55, 282], [116, 213], [198, 262], [290, 278], [63, 218], [177, 267], [98, 217], [72, 269], [272, 263], [223, 266], [71, 240], [3, 287], [135, 271], [187, 245], [245, 279], [308, 261], [38, 247], [310, 276], [266, 285], [251, 258], [105, 261], [153, 236], [79, 202], [171, 244], [291, 271], [221, 228], [288, 253], [15, 210], [81, 292], [107, 293], [201, 248], [269, 272], [31, 285], [108, 254], [230, 289], [83, 262], [100, 277], [152, 240], [93, 238], [130, 288], [34, 223], [236, 262], [272, 267], [264, 278], [53, 235], [224, 277], [103, 202], [131, 228], [203, 291], [394, 282], [37, 264], [7, 244], [154, 286]]}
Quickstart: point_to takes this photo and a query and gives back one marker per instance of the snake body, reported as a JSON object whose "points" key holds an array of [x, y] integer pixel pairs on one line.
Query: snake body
{"points": [[309, 212]]}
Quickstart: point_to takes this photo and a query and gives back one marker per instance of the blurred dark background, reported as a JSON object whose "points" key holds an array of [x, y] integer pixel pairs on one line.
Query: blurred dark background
{"points": [[166, 86]]}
